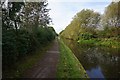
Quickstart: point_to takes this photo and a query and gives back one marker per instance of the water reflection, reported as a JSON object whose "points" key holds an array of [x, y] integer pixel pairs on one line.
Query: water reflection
{"points": [[99, 62], [95, 73]]}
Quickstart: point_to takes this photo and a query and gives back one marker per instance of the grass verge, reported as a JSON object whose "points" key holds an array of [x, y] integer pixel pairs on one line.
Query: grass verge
{"points": [[25, 63], [69, 66]]}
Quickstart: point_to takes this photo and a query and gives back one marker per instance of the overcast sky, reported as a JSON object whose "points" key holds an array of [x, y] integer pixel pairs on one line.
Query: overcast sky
{"points": [[62, 11]]}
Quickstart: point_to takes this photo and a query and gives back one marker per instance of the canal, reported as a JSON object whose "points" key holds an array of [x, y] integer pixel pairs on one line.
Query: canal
{"points": [[99, 62]]}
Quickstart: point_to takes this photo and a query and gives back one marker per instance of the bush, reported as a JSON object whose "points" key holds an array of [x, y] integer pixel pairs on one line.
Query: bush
{"points": [[9, 49], [17, 45], [86, 36]]}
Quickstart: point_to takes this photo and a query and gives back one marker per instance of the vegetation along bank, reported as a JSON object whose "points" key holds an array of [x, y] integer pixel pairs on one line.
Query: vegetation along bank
{"points": [[69, 66]]}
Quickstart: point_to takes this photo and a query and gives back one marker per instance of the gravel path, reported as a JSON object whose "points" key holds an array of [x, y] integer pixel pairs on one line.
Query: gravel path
{"points": [[47, 65]]}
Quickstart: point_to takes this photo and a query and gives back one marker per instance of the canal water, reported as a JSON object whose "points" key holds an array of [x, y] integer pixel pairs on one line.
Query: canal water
{"points": [[99, 62]]}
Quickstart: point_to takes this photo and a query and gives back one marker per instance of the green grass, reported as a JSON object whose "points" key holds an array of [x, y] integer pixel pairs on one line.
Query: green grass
{"points": [[100, 42], [69, 66], [109, 43], [89, 42], [25, 63]]}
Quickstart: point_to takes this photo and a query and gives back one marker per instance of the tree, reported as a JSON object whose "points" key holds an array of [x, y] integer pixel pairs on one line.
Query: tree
{"points": [[111, 15], [84, 21], [35, 14], [11, 15], [111, 18], [24, 29], [10, 26], [88, 19]]}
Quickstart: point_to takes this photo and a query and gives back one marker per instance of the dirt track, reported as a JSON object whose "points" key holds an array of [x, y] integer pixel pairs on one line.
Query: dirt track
{"points": [[47, 65]]}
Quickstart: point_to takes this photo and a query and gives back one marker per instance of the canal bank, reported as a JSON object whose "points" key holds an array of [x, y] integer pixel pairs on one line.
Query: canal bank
{"points": [[69, 66]]}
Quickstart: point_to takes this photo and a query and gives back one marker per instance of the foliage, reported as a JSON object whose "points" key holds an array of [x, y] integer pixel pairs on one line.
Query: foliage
{"points": [[88, 18], [90, 42], [84, 21], [86, 36], [108, 43], [91, 28], [24, 29], [111, 15], [111, 19], [100, 42]]}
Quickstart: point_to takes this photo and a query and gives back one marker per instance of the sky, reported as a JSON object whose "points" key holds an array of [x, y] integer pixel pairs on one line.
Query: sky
{"points": [[62, 11]]}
